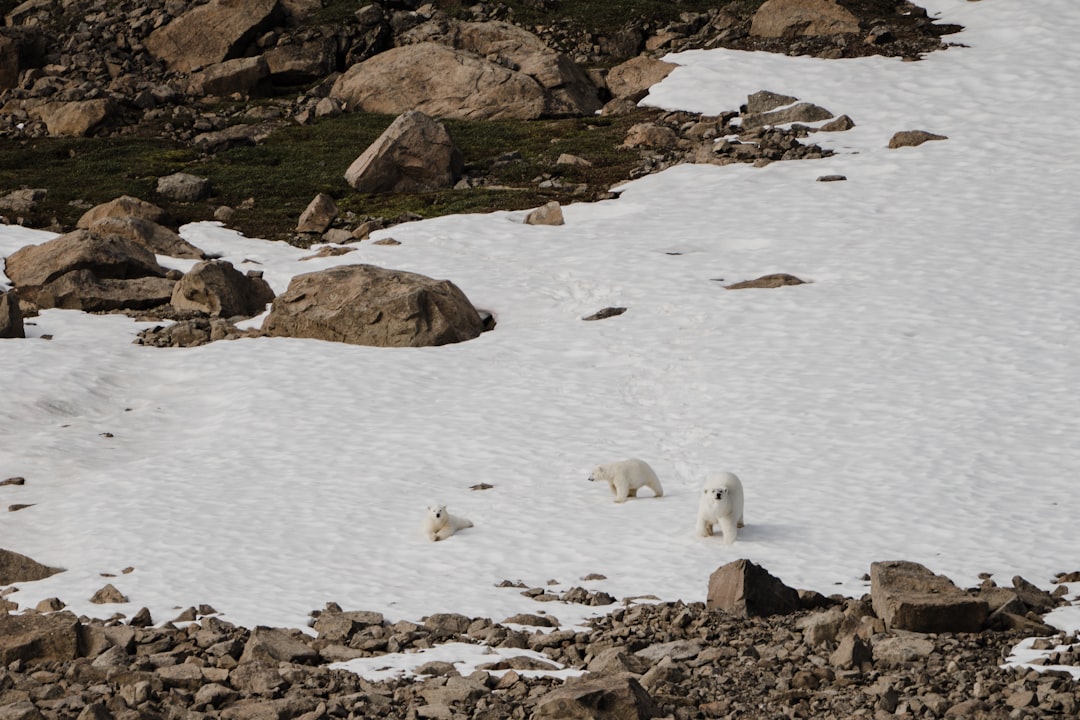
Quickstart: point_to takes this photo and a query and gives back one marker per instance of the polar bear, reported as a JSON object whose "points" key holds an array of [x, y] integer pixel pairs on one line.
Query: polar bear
{"points": [[440, 524], [626, 477], [721, 504]]}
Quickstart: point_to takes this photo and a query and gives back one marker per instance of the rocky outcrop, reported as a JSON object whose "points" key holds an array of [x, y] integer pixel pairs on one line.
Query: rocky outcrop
{"points": [[908, 596], [209, 34], [368, 305], [793, 18], [414, 154], [17, 568], [217, 289]]}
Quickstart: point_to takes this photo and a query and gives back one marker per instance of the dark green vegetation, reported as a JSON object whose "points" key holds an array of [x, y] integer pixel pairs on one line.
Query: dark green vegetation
{"points": [[297, 162]]}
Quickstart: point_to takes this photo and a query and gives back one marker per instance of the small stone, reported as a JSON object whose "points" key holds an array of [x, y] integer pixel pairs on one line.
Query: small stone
{"points": [[548, 214], [605, 313], [832, 178], [108, 595]]}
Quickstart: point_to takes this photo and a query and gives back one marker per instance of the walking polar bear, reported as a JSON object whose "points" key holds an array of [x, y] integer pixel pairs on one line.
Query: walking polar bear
{"points": [[721, 504], [626, 477], [440, 524]]}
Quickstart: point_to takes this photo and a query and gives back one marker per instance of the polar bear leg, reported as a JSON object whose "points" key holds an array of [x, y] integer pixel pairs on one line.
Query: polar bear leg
{"points": [[632, 492], [444, 532], [654, 485], [729, 526], [704, 528], [621, 488]]}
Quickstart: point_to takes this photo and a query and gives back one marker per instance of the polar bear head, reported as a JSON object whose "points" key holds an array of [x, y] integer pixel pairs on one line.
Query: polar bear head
{"points": [[601, 473], [437, 516]]}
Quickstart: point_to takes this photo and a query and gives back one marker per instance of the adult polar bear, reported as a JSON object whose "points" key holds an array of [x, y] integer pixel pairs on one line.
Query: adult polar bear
{"points": [[721, 504], [626, 477], [439, 524]]}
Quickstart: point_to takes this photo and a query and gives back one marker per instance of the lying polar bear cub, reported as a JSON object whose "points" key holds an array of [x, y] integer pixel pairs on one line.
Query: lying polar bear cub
{"points": [[721, 504], [440, 524], [626, 477]]}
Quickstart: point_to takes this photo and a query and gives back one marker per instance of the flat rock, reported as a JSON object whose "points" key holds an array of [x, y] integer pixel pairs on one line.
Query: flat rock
{"points": [[908, 596]]}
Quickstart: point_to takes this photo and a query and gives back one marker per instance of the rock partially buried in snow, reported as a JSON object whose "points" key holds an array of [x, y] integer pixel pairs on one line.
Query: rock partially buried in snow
{"points": [[368, 305], [766, 281], [547, 214], [216, 288], [913, 138], [18, 568], [11, 319]]}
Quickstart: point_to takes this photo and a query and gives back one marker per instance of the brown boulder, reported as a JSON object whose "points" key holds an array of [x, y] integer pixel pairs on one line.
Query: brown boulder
{"points": [[803, 112], [439, 81], [241, 75], [610, 697], [908, 596], [105, 256], [11, 320], [547, 214], [16, 568], [368, 305], [158, 239], [795, 18], [216, 288], [208, 34], [83, 290], [318, 215], [274, 645], [123, 206], [634, 77], [37, 639], [774, 280], [75, 119], [300, 63], [745, 589], [414, 154]]}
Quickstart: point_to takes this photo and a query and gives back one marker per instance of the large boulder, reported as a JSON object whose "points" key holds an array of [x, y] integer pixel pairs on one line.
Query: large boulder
{"points": [[123, 206], [38, 639], [17, 568], [83, 270], [414, 154], [299, 63], [209, 34], [803, 112], [795, 18], [158, 239], [11, 320], [439, 81], [569, 90], [634, 77], [609, 697], [77, 118], [748, 590], [241, 75], [218, 289], [368, 305], [274, 645], [908, 596]]}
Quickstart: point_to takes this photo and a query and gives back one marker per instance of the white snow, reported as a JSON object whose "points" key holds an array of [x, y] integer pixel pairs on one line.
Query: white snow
{"points": [[916, 400]]}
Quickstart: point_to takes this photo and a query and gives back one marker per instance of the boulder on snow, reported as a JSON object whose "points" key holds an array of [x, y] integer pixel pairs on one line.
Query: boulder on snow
{"points": [[216, 288]]}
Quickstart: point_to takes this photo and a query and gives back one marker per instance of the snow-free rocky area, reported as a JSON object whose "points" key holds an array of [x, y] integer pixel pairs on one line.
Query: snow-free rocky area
{"points": [[915, 400]]}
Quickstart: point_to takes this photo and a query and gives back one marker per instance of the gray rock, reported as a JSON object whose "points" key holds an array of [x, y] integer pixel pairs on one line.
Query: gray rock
{"points": [[183, 187], [414, 154], [216, 288], [547, 214], [318, 215]]}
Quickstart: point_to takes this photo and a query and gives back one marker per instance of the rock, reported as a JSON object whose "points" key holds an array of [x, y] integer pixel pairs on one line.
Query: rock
{"points": [[11, 326], [341, 626], [109, 256], [532, 620], [605, 313], [235, 136], [216, 288], [675, 650], [158, 239], [448, 623], [765, 100], [240, 76], [852, 653], [908, 596], [38, 639], [831, 178], [838, 125], [414, 154], [821, 628], [274, 645], [902, 650], [183, 187], [108, 595], [368, 305], [795, 18], [17, 568], [83, 290], [766, 281], [617, 660], [318, 215], [123, 206], [301, 63], [76, 118], [441, 82], [801, 112], [572, 160], [49, 605], [547, 214], [612, 697], [634, 77], [745, 589], [650, 135], [913, 138], [209, 34], [22, 201], [282, 709], [1033, 597], [10, 65]]}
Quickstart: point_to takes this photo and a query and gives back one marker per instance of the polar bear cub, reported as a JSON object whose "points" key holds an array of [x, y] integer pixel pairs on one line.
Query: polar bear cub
{"points": [[440, 524], [626, 477], [721, 504]]}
